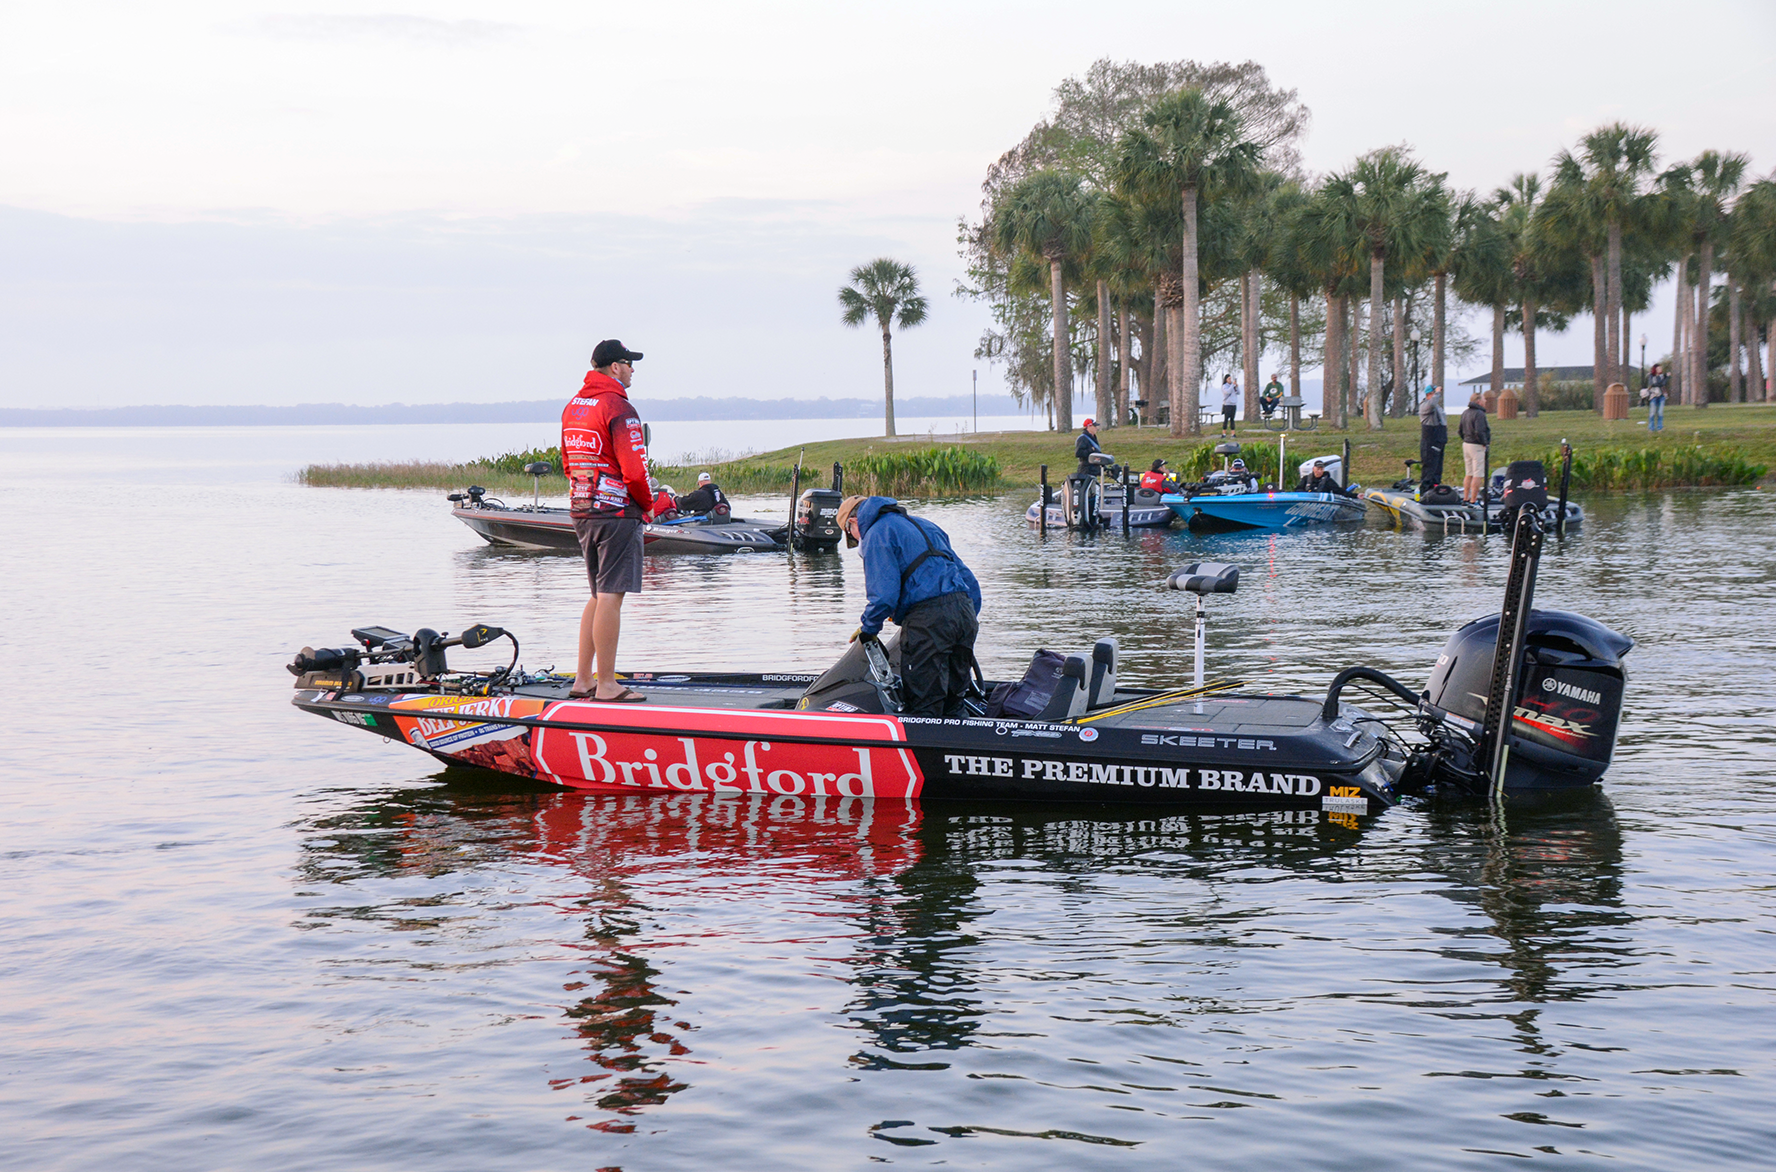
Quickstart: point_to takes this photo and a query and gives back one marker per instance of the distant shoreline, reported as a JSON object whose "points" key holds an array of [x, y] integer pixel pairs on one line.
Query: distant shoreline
{"points": [[528, 411]]}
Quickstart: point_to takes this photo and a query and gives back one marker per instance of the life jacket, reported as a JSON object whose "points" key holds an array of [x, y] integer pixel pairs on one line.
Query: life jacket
{"points": [[1156, 481], [603, 453]]}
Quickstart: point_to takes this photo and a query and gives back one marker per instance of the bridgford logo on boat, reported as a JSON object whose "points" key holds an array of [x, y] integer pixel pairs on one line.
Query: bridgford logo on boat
{"points": [[655, 756]]}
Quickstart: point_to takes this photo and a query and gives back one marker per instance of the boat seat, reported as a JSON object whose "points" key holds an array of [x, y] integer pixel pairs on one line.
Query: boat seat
{"points": [[1070, 692], [1103, 674]]}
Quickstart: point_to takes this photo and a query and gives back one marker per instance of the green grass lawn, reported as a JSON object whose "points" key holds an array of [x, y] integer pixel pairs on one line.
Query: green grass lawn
{"points": [[1742, 431]]}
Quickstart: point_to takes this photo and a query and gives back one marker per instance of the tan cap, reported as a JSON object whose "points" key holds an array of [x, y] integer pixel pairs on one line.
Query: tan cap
{"points": [[847, 507]]}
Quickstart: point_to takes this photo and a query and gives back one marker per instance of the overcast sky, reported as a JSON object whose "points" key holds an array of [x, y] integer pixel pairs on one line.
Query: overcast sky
{"points": [[223, 203]]}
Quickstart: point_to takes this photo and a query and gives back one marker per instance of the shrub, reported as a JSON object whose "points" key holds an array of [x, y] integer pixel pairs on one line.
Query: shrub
{"points": [[1647, 468]]}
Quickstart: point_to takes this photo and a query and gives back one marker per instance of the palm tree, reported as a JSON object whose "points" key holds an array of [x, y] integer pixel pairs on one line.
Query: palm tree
{"points": [[1752, 249], [1518, 222], [1476, 256], [1392, 212], [1618, 158], [1049, 214], [1188, 148], [888, 291], [1714, 179]]}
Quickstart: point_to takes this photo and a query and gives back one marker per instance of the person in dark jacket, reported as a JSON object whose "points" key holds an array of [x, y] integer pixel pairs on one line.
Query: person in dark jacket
{"points": [[1433, 437], [704, 498], [1085, 446], [913, 576], [1476, 437], [1319, 480]]}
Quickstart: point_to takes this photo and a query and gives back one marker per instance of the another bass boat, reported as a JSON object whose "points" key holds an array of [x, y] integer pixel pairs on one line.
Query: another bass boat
{"points": [[1232, 499], [544, 527], [1440, 508], [1070, 729], [1095, 501]]}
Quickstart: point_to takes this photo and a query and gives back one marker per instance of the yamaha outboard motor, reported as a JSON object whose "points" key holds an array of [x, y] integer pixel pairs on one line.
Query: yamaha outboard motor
{"points": [[1563, 730], [1525, 484]]}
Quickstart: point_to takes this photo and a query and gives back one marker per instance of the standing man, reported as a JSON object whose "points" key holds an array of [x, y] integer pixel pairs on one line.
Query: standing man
{"points": [[1084, 446], [913, 576], [1476, 437], [1230, 398], [1433, 437], [605, 459]]}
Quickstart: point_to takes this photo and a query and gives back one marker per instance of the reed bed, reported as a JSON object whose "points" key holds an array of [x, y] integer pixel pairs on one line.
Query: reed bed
{"points": [[1693, 466]]}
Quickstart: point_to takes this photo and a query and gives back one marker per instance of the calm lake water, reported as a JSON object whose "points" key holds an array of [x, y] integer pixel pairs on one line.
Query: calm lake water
{"points": [[236, 936]]}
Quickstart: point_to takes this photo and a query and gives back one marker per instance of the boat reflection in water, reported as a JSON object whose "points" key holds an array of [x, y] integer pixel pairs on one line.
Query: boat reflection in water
{"points": [[883, 893]]}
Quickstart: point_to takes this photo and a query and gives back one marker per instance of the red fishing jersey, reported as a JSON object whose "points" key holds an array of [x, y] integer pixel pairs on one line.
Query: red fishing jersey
{"points": [[603, 452]]}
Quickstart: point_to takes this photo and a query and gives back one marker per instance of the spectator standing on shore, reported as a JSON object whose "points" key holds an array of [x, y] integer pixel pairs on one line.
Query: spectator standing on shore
{"points": [[1657, 383], [1433, 437], [604, 456], [1230, 397], [913, 576], [1476, 437]]}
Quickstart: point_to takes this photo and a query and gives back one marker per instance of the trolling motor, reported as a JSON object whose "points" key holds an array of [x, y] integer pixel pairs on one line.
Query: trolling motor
{"points": [[389, 659]]}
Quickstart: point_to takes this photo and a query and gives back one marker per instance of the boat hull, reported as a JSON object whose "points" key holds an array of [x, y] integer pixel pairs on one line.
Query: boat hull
{"points": [[552, 529], [1140, 516], [1404, 509], [708, 734], [1265, 510]]}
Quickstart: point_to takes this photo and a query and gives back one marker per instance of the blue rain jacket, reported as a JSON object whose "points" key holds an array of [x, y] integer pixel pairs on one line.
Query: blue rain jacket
{"points": [[889, 543]]}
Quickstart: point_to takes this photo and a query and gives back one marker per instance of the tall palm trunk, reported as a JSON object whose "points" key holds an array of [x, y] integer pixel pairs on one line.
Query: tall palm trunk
{"points": [[1159, 380], [1376, 295], [1680, 370], [1758, 392], [1531, 407], [1063, 357], [1106, 409], [1294, 346], [1704, 278], [1354, 400], [888, 378], [1614, 307], [1250, 342], [1437, 328], [1498, 352], [1397, 406], [1187, 345], [1124, 341], [1735, 384], [1599, 333], [1331, 378], [1625, 364]]}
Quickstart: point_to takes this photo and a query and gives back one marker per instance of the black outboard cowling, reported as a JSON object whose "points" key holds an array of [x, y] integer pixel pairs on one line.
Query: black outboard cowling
{"points": [[1525, 484], [816, 519], [1569, 705]]}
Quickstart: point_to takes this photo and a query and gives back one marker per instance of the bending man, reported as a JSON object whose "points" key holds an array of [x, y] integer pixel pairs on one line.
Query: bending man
{"points": [[913, 576]]}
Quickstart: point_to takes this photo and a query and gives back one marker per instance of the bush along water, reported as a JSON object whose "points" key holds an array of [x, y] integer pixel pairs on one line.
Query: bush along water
{"points": [[1646, 468], [948, 471]]}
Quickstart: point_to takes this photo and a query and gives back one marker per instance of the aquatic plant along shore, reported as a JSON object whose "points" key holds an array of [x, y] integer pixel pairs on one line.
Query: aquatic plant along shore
{"points": [[1728, 444]]}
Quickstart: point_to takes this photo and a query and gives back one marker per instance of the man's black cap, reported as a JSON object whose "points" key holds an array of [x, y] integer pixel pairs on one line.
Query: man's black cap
{"points": [[1157, 465], [610, 350]]}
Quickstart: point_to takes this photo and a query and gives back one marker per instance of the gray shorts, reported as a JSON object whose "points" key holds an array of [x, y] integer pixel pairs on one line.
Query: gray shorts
{"points": [[1474, 460], [613, 553]]}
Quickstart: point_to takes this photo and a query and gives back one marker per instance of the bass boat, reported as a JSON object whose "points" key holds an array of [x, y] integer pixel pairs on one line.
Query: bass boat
{"points": [[539, 526], [1095, 501], [1440, 508], [1070, 729]]}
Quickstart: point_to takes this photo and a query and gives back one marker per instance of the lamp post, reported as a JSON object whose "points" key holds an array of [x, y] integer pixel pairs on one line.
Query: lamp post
{"points": [[976, 380], [1416, 335], [1643, 360]]}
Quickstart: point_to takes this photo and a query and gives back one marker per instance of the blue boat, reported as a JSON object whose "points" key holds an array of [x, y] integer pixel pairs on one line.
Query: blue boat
{"points": [[1264, 510]]}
